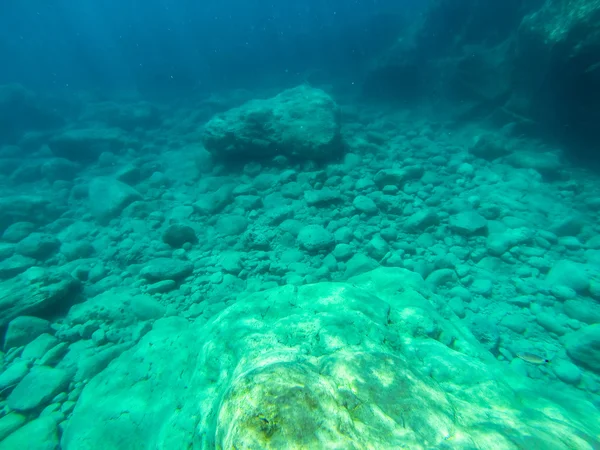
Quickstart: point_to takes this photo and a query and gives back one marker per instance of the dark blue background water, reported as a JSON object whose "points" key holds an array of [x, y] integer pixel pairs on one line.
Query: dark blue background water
{"points": [[178, 46]]}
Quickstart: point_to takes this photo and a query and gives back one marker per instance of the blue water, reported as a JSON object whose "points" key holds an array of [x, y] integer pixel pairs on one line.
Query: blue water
{"points": [[174, 47], [366, 224]]}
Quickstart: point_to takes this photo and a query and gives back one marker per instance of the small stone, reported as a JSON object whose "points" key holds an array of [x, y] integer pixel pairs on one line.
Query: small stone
{"points": [[54, 355], [465, 169], [231, 263], [99, 337], [499, 243], [231, 225], [515, 322], [37, 348], [343, 235], [6, 250], [315, 238], [108, 197], [161, 287], [40, 385], [570, 242], [359, 263], [67, 407], [389, 234], [421, 220], [585, 311], [323, 197], [96, 273], [177, 234], [129, 174], [365, 205], [377, 248], [397, 177], [457, 306], [38, 246], [166, 269], [10, 423], [24, 329], [567, 372], [482, 287], [551, 323], [440, 277], [77, 250], [593, 242], [488, 147], [562, 292], [342, 252], [13, 374], [468, 223]]}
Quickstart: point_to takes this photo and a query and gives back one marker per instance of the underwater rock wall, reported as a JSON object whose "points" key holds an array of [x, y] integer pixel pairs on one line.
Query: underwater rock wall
{"points": [[531, 65]]}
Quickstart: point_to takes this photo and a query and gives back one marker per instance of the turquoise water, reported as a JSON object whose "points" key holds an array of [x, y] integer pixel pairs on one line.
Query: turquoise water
{"points": [[385, 236]]}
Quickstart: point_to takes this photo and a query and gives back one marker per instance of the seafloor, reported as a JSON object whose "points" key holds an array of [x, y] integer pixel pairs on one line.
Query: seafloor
{"points": [[295, 273]]}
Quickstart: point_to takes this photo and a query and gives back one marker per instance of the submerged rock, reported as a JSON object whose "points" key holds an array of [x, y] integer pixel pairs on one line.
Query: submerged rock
{"points": [[178, 234], [108, 197], [39, 434], [24, 329], [27, 208], [166, 269], [86, 144], [36, 291], [18, 231], [583, 347], [468, 223], [38, 245], [315, 238], [303, 123], [37, 388], [369, 364]]}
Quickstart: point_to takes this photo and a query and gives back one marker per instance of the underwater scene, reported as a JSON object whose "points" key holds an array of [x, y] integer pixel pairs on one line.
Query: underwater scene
{"points": [[319, 224]]}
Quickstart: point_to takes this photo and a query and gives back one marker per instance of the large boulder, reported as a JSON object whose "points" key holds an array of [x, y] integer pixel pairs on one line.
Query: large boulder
{"points": [[37, 292], [368, 364], [557, 75], [301, 123]]}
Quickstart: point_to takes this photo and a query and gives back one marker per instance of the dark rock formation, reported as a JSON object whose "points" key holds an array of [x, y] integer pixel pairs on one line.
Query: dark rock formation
{"points": [[532, 64]]}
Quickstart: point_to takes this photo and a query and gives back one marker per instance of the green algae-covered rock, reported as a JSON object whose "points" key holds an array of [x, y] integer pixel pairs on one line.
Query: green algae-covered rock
{"points": [[364, 364]]}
